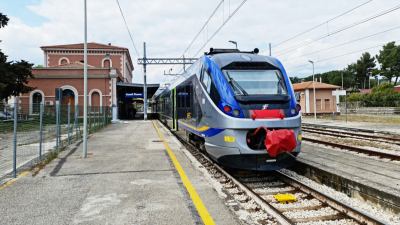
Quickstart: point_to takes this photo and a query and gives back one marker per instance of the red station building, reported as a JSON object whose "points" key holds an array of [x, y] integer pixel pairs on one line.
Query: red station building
{"points": [[63, 68]]}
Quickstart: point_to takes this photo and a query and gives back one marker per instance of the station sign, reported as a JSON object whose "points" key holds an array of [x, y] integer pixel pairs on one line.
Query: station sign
{"points": [[339, 92], [133, 95]]}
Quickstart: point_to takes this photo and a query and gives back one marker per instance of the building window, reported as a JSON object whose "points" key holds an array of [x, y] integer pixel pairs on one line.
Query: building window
{"points": [[107, 63], [95, 99], [68, 97], [37, 98], [63, 61], [319, 105], [327, 104]]}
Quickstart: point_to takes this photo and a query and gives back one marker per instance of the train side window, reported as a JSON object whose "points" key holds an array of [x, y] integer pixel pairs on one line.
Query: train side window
{"points": [[207, 81]]}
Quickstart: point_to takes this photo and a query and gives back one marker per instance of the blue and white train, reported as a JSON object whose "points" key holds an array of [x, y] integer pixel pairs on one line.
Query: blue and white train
{"points": [[238, 107]]}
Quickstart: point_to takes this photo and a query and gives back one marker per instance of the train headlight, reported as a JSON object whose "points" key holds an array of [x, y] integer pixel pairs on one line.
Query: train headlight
{"points": [[236, 113]]}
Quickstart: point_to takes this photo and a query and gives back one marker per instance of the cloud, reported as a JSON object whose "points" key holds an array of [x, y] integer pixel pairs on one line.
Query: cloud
{"points": [[169, 26]]}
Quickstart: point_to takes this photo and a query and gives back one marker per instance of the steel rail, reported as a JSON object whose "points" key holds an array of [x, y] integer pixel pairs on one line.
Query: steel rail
{"points": [[359, 136], [355, 149]]}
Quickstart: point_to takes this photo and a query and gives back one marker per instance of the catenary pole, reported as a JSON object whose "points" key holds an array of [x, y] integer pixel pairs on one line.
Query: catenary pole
{"points": [[85, 83], [314, 98], [270, 49], [144, 83]]}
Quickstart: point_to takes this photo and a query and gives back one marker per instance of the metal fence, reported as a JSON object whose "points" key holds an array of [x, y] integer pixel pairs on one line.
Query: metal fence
{"points": [[29, 133]]}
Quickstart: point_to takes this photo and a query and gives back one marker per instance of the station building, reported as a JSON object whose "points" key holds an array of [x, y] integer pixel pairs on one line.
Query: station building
{"points": [[108, 65], [326, 102]]}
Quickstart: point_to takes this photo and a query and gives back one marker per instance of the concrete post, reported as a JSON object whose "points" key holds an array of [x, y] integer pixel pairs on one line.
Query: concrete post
{"points": [[68, 123], [41, 130], [114, 100], [15, 137], [57, 124]]}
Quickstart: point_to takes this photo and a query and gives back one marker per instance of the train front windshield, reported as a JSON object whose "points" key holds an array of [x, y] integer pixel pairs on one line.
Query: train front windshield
{"points": [[256, 82]]}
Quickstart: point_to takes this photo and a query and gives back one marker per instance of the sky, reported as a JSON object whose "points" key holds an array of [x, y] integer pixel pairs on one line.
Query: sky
{"points": [[168, 27]]}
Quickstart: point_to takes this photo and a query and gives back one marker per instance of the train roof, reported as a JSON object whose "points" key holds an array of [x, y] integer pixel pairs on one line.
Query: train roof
{"points": [[223, 58]]}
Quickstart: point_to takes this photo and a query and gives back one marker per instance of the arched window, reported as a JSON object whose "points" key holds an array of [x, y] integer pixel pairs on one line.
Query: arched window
{"points": [[107, 63], [37, 98], [68, 97], [63, 61], [95, 99]]}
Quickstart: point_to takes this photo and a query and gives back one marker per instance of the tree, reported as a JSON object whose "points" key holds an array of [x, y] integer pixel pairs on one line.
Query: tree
{"points": [[389, 60], [295, 80], [3, 20], [364, 66], [13, 75]]}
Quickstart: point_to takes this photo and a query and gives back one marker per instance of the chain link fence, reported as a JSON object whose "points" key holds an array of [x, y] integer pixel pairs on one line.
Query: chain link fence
{"points": [[29, 132]]}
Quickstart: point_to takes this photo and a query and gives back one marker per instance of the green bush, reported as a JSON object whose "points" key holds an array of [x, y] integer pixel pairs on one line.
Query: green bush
{"points": [[380, 96]]}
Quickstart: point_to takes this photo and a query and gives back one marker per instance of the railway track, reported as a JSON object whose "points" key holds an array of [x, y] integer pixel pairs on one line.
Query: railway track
{"points": [[353, 133], [311, 207], [334, 132]]}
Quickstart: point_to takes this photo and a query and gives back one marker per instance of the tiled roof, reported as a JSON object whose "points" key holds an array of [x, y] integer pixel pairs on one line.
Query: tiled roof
{"points": [[91, 45], [309, 85]]}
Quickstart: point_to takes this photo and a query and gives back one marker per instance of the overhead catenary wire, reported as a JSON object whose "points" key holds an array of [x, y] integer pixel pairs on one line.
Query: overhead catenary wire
{"points": [[351, 41], [220, 27], [199, 32], [352, 52], [382, 13], [341, 55], [204, 26], [323, 23], [127, 28]]}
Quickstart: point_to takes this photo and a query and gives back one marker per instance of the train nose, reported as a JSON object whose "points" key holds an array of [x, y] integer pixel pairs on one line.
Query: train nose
{"points": [[275, 141]]}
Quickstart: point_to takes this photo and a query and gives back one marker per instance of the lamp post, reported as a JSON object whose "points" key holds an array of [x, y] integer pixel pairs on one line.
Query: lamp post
{"points": [[85, 83], [234, 42], [313, 83]]}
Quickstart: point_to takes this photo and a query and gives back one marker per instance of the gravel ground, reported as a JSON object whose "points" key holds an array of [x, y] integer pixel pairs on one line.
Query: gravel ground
{"points": [[303, 214], [299, 204], [331, 222], [341, 197]]}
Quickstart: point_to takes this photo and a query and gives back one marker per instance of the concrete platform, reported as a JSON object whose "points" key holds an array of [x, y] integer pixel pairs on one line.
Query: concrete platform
{"points": [[392, 128], [128, 178]]}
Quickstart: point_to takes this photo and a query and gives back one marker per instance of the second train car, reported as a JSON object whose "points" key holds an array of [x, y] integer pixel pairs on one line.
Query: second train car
{"points": [[238, 107]]}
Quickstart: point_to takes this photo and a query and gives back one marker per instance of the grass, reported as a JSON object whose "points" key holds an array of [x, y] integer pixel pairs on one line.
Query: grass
{"points": [[388, 119], [49, 157]]}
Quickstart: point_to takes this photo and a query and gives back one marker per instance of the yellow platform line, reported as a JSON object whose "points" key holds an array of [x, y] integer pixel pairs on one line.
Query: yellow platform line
{"points": [[198, 203], [10, 182]]}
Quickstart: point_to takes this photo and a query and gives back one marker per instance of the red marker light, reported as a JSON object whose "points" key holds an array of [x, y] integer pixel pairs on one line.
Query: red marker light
{"points": [[227, 108]]}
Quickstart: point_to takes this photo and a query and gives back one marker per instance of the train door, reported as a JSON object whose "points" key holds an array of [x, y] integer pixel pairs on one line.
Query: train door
{"points": [[174, 110]]}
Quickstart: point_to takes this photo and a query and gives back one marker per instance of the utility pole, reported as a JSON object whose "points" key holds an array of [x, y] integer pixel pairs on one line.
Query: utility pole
{"points": [[144, 83], [184, 66], [342, 79], [313, 83], [85, 84], [270, 49]]}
